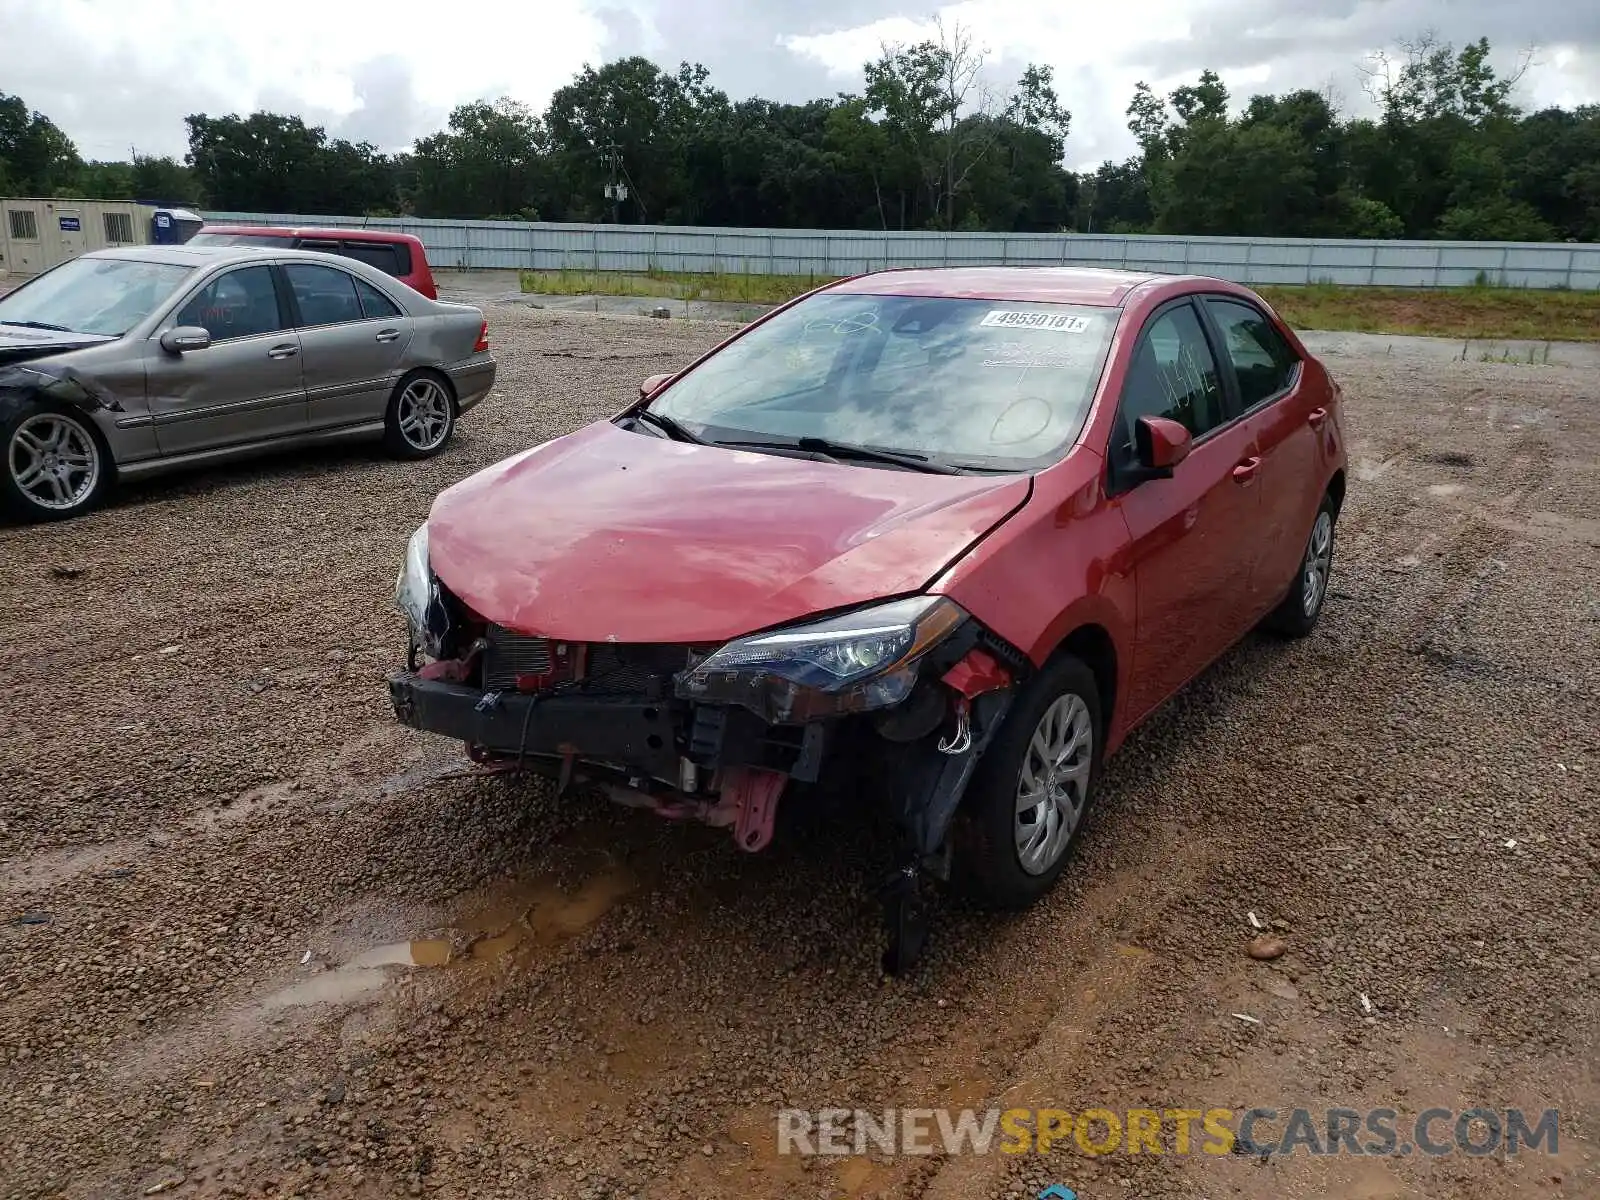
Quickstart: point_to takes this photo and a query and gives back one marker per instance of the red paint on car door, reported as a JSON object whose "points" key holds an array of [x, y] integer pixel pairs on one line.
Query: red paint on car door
{"points": [[1193, 537], [1192, 551], [1283, 402]]}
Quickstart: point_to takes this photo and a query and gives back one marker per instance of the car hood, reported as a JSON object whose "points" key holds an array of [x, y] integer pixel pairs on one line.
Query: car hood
{"points": [[21, 345], [609, 535]]}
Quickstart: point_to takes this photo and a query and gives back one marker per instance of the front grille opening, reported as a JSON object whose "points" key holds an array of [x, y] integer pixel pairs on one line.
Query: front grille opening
{"points": [[610, 668]]}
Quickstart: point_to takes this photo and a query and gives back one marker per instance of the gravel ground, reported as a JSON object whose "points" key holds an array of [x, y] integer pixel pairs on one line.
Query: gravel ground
{"points": [[255, 938]]}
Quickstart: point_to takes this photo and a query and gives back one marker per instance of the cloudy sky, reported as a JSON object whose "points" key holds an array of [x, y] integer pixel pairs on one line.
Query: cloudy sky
{"points": [[120, 75]]}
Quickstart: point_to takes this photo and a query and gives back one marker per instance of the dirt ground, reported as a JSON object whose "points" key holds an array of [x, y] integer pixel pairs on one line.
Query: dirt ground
{"points": [[256, 939]]}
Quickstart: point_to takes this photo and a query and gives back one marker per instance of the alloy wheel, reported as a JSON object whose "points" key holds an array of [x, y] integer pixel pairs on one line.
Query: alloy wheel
{"points": [[1319, 560], [54, 461], [1053, 785], [424, 414]]}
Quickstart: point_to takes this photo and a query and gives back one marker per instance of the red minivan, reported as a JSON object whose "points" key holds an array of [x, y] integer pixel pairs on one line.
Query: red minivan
{"points": [[398, 254]]}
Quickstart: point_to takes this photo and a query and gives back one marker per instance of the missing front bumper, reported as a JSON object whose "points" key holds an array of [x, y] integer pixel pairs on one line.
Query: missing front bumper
{"points": [[625, 730]]}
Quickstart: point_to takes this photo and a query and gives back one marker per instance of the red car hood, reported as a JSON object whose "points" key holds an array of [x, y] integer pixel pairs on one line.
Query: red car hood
{"points": [[607, 535]]}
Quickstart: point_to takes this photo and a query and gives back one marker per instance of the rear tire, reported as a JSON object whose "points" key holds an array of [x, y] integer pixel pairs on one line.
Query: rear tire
{"points": [[1008, 852], [1297, 615], [54, 466], [421, 418]]}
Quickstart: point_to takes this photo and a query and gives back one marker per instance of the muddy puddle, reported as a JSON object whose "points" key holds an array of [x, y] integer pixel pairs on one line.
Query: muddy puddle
{"points": [[520, 916]]}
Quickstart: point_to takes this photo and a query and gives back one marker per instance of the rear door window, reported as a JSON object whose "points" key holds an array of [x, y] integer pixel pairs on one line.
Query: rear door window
{"points": [[1262, 361], [324, 295]]}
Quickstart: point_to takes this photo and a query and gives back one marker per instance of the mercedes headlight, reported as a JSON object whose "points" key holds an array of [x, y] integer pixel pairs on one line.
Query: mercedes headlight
{"points": [[857, 662], [417, 594]]}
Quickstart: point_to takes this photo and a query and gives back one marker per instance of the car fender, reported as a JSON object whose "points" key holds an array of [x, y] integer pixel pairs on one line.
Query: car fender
{"points": [[45, 379], [1058, 565]]}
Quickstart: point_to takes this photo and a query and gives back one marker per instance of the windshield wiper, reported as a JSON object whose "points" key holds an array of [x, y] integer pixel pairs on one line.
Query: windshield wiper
{"points": [[667, 426], [843, 450], [39, 325]]}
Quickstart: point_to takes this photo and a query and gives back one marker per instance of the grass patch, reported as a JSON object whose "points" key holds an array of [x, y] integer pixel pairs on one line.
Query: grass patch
{"points": [[1468, 312], [1537, 314], [668, 285]]}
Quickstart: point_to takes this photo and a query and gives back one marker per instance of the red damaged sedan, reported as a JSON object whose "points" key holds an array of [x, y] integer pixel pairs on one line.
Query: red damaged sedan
{"points": [[947, 533]]}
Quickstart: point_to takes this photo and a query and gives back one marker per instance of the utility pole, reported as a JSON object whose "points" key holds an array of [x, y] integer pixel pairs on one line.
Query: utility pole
{"points": [[616, 192]]}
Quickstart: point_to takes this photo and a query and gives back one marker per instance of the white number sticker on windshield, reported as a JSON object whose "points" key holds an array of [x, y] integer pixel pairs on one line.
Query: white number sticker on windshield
{"points": [[1004, 318]]}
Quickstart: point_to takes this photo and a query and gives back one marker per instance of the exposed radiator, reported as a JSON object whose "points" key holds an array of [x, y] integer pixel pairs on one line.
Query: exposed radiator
{"points": [[510, 654]]}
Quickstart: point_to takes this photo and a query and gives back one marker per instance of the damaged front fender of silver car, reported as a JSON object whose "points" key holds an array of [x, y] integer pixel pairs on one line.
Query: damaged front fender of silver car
{"points": [[51, 381]]}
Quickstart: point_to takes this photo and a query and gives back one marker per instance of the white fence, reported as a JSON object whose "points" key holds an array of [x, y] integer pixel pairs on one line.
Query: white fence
{"points": [[546, 246]]}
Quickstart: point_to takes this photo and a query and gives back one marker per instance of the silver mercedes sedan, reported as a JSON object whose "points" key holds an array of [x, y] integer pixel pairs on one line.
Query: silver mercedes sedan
{"points": [[142, 359]]}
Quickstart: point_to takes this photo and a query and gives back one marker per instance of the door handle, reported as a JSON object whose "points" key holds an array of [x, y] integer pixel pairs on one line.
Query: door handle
{"points": [[387, 335], [1247, 470], [1316, 417], [283, 351]]}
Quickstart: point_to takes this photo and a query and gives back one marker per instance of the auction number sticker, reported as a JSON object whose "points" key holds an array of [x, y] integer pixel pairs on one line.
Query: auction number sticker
{"points": [[1003, 318]]}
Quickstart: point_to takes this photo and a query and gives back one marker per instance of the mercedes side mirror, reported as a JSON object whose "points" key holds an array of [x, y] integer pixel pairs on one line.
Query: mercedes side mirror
{"points": [[652, 385], [185, 338]]}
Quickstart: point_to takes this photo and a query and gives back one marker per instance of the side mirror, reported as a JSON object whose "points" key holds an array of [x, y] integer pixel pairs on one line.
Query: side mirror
{"points": [[184, 338], [1162, 444], [650, 386]]}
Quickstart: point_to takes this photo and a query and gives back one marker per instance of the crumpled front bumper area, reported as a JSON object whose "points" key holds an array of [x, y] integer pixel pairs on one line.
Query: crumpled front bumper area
{"points": [[627, 731]]}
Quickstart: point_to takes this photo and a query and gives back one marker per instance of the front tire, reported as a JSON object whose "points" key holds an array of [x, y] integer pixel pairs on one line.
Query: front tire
{"points": [[55, 466], [421, 417], [1027, 804], [1297, 615]]}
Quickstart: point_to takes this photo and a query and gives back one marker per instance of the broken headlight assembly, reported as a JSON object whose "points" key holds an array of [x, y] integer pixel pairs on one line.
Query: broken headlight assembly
{"points": [[858, 662], [417, 594]]}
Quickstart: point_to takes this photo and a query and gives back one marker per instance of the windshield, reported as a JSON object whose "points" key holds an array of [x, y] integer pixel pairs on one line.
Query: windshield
{"points": [[994, 384], [238, 239], [93, 295]]}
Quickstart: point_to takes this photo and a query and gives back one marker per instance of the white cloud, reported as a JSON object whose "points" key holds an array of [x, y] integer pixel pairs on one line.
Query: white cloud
{"points": [[173, 57]]}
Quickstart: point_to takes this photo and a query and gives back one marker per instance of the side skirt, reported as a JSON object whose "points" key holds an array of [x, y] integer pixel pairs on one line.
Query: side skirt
{"points": [[144, 468]]}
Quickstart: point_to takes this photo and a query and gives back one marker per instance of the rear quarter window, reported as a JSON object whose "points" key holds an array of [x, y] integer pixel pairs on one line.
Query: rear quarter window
{"points": [[389, 257]]}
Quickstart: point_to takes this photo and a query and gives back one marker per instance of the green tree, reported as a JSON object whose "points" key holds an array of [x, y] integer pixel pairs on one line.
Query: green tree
{"points": [[1433, 99], [261, 162], [942, 123], [629, 122], [102, 181], [488, 162], [36, 158], [1227, 177], [164, 180]]}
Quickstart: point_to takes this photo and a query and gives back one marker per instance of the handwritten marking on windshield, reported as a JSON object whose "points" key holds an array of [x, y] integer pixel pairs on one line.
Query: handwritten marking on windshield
{"points": [[1015, 354], [858, 323]]}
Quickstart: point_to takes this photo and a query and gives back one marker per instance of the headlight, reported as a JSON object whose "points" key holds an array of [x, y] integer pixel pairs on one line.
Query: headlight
{"points": [[857, 662], [416, 593]]}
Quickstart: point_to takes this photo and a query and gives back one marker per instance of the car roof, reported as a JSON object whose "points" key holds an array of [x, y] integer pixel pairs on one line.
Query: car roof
{"points": [[289, 231], [205, 256], [189, 256], [1099, 286]]}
